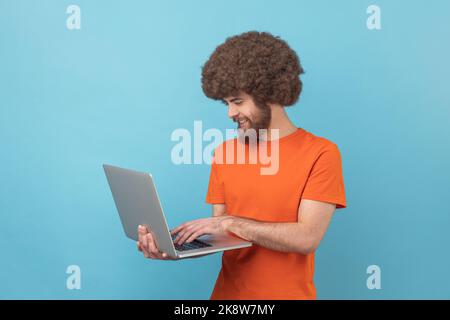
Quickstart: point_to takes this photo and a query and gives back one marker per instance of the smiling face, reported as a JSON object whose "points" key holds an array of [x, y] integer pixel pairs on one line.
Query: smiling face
{"points": [[243, 110]]}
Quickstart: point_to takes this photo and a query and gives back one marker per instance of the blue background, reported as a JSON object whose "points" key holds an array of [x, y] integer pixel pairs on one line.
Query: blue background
{"points": [[114, 91]]}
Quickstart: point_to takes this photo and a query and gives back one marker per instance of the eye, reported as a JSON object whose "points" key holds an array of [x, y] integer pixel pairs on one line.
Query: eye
{"points": [[238, 102]]}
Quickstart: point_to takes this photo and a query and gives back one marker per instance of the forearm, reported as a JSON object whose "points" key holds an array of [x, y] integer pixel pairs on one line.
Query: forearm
{"points": [[285, 237]]}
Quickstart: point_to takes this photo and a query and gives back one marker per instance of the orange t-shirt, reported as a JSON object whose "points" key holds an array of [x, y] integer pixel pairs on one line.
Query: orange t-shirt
{"points": [[309, 167]]}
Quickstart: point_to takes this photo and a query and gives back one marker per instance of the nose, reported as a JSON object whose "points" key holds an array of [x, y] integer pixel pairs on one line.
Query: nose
{"points": [[232, 111]]}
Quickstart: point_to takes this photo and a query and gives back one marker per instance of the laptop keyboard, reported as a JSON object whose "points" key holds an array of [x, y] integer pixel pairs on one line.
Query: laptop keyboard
{"points": [[196, 244]]}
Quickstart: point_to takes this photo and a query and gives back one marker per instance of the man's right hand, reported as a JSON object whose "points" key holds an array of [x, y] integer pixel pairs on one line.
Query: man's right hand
{"points": [[147, 245]]}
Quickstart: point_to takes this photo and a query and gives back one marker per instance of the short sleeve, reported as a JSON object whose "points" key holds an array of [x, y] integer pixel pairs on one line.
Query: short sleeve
{"points": [[215, 192], [326, 182]]}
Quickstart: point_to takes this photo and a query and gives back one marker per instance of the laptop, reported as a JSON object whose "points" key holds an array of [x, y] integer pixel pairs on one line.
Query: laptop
{"points": [[137, 202]]}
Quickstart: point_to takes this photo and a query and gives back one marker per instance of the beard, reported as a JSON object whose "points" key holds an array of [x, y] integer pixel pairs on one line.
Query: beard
{"points": [[257, 124]]}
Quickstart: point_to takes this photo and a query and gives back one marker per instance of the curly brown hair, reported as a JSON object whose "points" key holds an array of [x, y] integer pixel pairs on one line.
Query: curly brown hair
{"points": [[257, 63]]}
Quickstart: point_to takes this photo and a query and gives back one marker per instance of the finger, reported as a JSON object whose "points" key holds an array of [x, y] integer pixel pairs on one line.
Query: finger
{"points": [[199, 230], [145, 251], [187, 228], [180, 228], [141, 234], [192, 237], [148, 255], [181, 235], [195, 235], [192, 231], [179, 231], [188, 232], [143, 230], [177, 238], [152, 256], [185, 225], [150, 245], [143, 245], [153, 250], [175, 230]]}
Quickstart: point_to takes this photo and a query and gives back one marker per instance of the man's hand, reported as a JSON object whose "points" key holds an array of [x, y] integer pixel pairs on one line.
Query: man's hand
{"points": [[147, 245], [191, 230]]}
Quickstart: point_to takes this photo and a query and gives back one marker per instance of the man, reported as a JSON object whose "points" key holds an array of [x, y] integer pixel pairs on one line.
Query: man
{"points": [[285, 215]]}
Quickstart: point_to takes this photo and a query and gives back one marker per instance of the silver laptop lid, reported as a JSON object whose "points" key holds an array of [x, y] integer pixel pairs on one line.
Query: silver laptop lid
{"points": [[138, 203]]}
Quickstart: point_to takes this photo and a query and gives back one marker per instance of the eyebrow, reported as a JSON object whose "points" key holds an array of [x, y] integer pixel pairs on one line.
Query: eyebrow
{"points": [[233, 99]]}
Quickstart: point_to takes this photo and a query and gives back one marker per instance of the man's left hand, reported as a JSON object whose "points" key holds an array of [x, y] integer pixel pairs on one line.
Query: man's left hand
{"points": [[191, 230]]}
